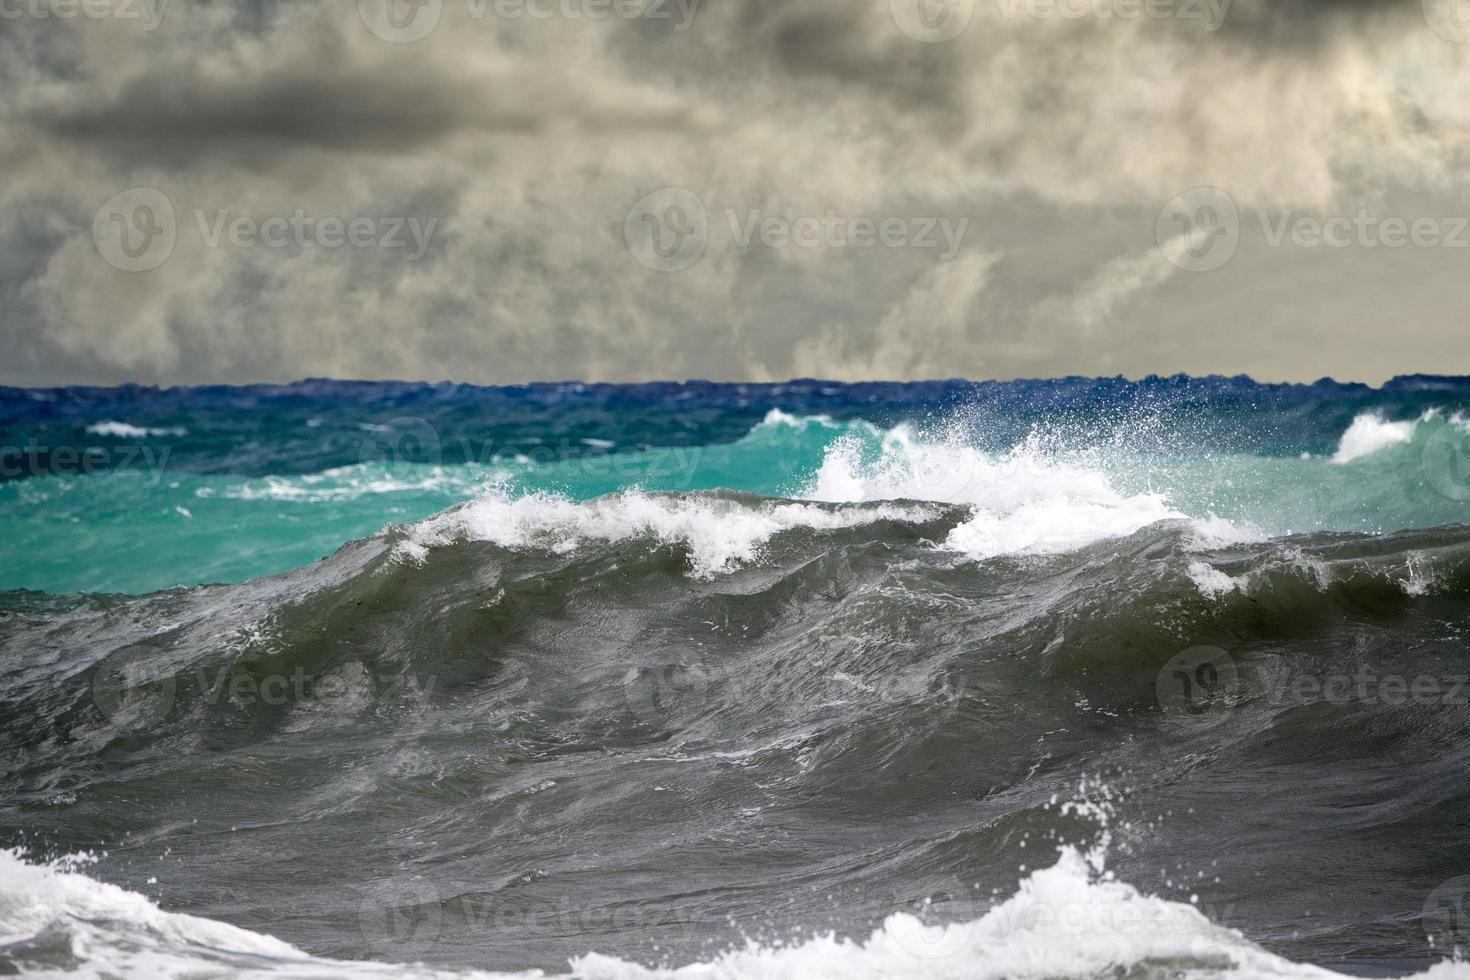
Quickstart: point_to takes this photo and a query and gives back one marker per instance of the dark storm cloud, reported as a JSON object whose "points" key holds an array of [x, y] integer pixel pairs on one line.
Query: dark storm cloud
{"points": [[1053, 138], [1288, 23], [833, 43], [353, 110], [393, 105]]}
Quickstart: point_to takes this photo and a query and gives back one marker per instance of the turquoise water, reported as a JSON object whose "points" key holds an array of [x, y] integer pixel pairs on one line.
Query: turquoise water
{"points": [[148, 527], [141, 529]]}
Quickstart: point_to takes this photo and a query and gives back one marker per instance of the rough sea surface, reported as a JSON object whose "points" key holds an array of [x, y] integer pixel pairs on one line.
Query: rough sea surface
{"points": [[1065, 679]]}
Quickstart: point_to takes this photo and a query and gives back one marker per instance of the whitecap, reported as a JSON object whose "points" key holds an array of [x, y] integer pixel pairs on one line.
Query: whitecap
{"points": [[1021, 502], [1068, 920], [126, 430], [720, 533], [1370, 433]]}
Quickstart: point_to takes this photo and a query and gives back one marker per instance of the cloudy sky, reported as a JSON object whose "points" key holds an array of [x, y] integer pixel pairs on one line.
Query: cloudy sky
{"points": [[516, 190]]}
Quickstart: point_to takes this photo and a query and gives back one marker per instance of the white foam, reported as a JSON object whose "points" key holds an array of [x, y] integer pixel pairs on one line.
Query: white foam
{"points": [[721, 533], [1061, 922], [1370, 433], [87, 914], [1021, 502], [776, 417], [1216, 532], [77, 928], [1055, 524], [1068, 920], [1212, 582], [360, 480], [126, 430], [1419, 576]]}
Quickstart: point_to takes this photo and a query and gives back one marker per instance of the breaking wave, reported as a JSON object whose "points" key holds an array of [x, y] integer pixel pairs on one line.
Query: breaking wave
{"points": [[836, 696]]}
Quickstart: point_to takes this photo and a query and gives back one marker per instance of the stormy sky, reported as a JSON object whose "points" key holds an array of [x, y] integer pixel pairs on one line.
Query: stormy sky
{"points": [[502, 191]]}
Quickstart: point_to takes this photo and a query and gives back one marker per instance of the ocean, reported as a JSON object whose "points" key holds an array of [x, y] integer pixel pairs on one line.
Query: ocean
{"points": [[1076, 678]]}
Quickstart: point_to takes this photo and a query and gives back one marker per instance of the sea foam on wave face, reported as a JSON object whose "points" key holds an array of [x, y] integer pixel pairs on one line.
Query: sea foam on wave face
{"points": [[1063, 921], [1021, 502], [720, 533], [93, 918], [1370, 432]]}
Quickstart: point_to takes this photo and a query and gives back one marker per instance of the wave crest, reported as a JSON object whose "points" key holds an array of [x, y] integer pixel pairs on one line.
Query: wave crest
{"points": [[720, 532], [1063, 921]]}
